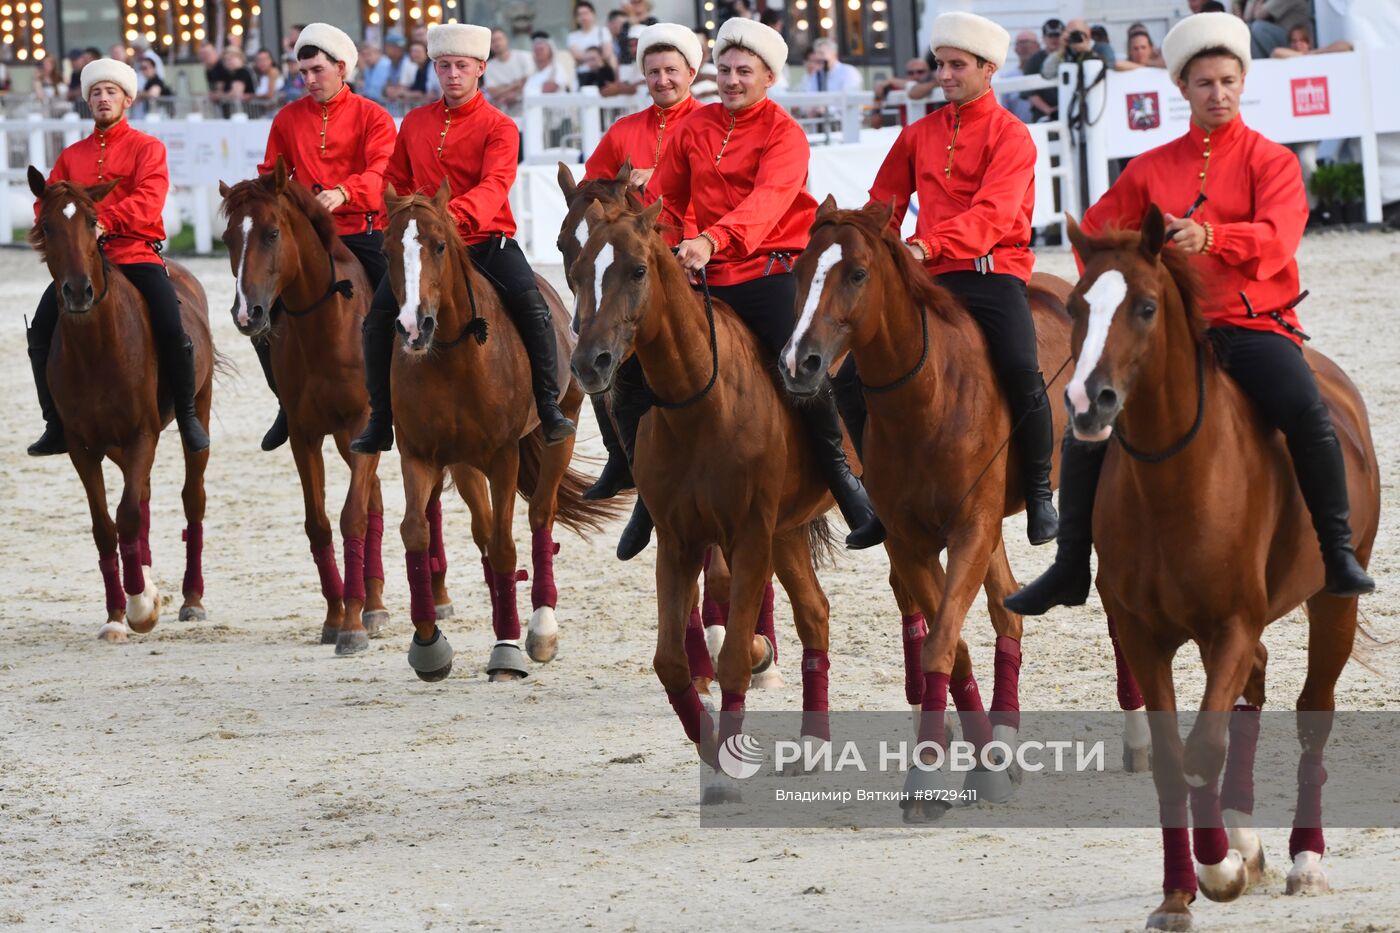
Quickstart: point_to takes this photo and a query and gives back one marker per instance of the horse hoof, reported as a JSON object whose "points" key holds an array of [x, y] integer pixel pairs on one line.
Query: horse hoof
{"points": [[714, 640], [925, 795], [193, 614], [1137, 760], [431, 660], [376, 621], [329, 634], [507, 663], [143, 609], [982, 785], [1245, 840], [924, 811], [112, 632], [719, 788], [348, 643], [542, 636], [771, 679], [1173, 920], [1307, 876], [1225, 881], [445, 611]]}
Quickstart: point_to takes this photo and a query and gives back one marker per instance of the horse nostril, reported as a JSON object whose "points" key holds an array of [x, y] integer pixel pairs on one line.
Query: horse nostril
{"points": [[256, 312], [602, 362], [428, 325], [87, 291], [810, 364], [1107, 398]]}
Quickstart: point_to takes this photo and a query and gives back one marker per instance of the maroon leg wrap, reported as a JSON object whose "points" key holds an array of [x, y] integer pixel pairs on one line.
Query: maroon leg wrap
{"points": [[194, 559], [1129, 696], [731, 720], [420, 587], [1208, 832], [1178, 873], [976, 727], [1237, 792], [914, 632], [1006, 688], [146, 532], [505, 618], [693, 717], [765, 620], [133, 580], [374, 547], [355, 569], [1307, 818], [437, 551], [935, 703], [815, 679], [112, 581], [696, 653], [543, 592], [331, 587]]}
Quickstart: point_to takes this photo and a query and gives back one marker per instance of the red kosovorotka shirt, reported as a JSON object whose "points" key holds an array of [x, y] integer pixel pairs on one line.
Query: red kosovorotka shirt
{"points": [[744, 175], [131, 213], [475, 148], [973, 167], [1255, 204], [344, 142], [641, 137]]}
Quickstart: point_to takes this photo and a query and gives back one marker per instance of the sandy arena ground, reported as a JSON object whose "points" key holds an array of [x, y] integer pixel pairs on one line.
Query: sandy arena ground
{"points": [[234, 774]]}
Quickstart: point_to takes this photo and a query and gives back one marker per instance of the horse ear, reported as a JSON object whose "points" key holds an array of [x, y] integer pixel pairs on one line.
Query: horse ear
{"points": [[881, 211], [391, 198], [224, 189], [279, 176], [37, 184], [827, 206], [98, 192], [1154, 232], [594, 213], [1077, 237], [566, 181], [443, 196], [646, 220], [624, 174]]}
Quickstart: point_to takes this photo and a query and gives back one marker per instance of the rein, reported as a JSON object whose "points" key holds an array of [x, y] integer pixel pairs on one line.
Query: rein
{"points": [[1190, 434], [344, 287], [714, 354], [477, 326], [918, 367]]}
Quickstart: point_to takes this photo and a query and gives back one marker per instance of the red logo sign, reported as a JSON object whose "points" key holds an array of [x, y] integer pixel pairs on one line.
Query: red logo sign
{"points": [[1310, 97], [1144, 112]]}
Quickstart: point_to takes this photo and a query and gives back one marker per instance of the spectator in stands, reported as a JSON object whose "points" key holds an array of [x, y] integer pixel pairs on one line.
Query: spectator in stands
{"points": [[118, 52], [1045, 104], [48, 81], [240, 83], [629, 75], [153, 87], [374, 69], [1270, 22], [1025, 47], [289, 41], [705, 88], [77, 61], [215, 74], [419, 34], [638, 12], [1300, 42], [775, 20], [916, 71], [737, 9], [826, 72], [1078, 46], [554, 68], [1206, 6], [143, 49], [506, 74], [395, 50], [617, 28], [1100, 34], [593, 71], [1141, 52], [269, 78], [418, 78], [589, 33]]}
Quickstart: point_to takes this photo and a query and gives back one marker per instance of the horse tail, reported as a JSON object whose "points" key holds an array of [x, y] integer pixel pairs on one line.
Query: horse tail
{"points": [[575, 512], [821, 541], [224, 366]]}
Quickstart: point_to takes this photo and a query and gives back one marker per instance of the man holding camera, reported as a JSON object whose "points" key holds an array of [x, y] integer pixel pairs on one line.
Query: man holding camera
{"points": [[1078, 46]]}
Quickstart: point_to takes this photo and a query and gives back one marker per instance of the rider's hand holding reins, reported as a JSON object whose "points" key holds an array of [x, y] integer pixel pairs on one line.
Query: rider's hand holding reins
{"points": [[1186, 233], [694, 254], [640, 177], [332, 198]]}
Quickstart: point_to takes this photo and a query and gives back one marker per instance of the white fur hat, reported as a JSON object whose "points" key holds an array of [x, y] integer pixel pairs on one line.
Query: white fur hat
{"points": [[335, 43], [682, 38], [1194, 34], [109, 69], [459, 39], [763, 41], [972, 33]]}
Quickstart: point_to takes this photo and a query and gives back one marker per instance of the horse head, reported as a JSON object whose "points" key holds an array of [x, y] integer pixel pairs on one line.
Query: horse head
{"points": [[425, 254], [615, 272], [853, 270], [610, 192], [266, 217], [65, 234], [1130, 286]]}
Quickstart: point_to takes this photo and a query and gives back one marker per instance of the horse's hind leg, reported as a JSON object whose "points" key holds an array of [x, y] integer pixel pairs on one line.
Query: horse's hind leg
{"points": [[542, 635], [192, 609], [306, 452], [104, 535], [1331, 631], [792, 560], [376, 615], [354, 526], [1237, 789], [1006, 692], [714, 604], [472, 487], [507, 662], [429, 654], [143, 597]]}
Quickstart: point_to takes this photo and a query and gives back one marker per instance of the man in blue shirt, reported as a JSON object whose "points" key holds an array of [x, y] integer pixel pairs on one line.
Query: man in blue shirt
{"points": [[375, 69]]}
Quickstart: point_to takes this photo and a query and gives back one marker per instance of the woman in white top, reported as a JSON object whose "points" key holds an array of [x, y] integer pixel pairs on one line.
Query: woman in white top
{"points": [[589, 34], [554, 68], [269, 77]]}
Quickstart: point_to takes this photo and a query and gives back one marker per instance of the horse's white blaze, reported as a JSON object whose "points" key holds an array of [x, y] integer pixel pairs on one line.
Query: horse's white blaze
{"points": [[70, 209], [581, 233], [246, 227], [829, 258], [1104, 297], [605, 259], [412, 275]]}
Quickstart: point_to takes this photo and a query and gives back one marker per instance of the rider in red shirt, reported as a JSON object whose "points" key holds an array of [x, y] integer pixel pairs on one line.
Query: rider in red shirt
{"points": [[130, 231], [464, 139], [1244, 237], [337, 144], [972, 164]]}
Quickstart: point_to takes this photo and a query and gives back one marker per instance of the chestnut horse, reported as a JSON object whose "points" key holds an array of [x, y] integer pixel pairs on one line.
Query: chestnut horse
{"points": [[709, 617], [286, 257], [721, 459], [103, 375], [462, 400], [1246, 557], [934, 449]]}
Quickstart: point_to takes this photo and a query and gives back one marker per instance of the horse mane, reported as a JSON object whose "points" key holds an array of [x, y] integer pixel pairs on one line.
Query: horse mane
{"points": [[917, 283], [80, 197], [263, 190], [1179, 268]]}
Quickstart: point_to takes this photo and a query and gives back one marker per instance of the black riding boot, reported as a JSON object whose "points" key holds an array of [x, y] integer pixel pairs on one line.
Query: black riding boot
{"points": [[1067, 581], [824, 426], [616, 475], [631, 400], [377, 337], [177, 362], [1035, 441], [1322, 477], [276, 435], [51, 441], [536, 326], [850, 402]]}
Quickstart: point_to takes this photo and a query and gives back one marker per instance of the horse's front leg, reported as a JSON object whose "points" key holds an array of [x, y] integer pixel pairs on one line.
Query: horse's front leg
{"points": [[507, 661], [376, 614], [792, 560], [143, 596], [192, 496], [542, 638], [353, 638], [429, 654], [311, 468], [104, 535]]}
